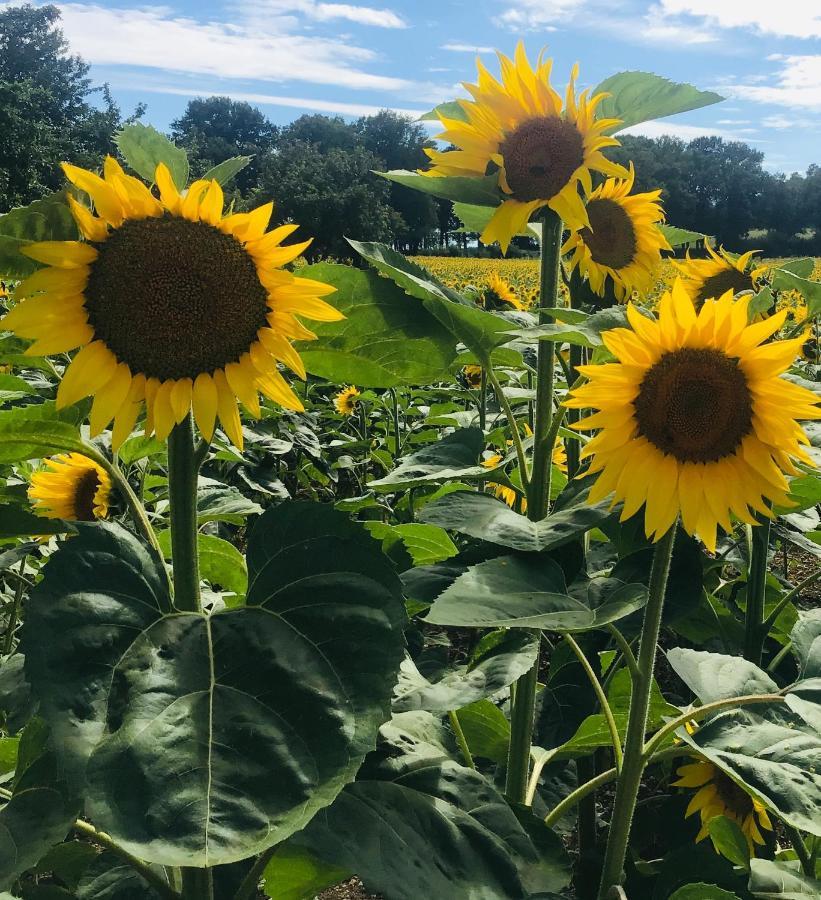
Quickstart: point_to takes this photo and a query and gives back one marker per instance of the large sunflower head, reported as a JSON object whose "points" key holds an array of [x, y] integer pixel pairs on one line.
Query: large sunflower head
{"points": [[498, 294], [542, 149], [70, 486], [693, 418], [718, 795], [345, 401], [174, 305], [709, 279], [622, 240]]}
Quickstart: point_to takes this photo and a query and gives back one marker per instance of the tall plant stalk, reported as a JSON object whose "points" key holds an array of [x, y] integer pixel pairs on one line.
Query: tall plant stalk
{"points": [[538, 494], [755, 631], [635, 761]]}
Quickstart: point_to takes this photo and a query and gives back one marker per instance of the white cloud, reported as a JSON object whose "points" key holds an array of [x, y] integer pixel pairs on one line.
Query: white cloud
{"points": [[797, 85], [318, 105], [543, 15], [655, 32], [456, 47], [788, 18], [323, 12], [155, 37]]}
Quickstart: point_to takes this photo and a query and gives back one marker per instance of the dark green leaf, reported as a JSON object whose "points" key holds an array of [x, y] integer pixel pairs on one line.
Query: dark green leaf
{"points": [[212, 737], [640, 96], [806, 643], [781, 881], [481, 191], [484, 517], [714, 676], [110, 878], [143, 148], [501, 659], [511, 592], [48, 219], [702, 891], [18, 522], [386, 339], [31, 432], [217, 502], [585, 334]]}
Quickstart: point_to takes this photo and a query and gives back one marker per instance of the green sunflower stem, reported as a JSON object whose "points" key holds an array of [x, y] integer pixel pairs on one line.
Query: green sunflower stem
{"points": [[634, 761], [523, 703], [182, 492], [755, 631], [197, 884]]}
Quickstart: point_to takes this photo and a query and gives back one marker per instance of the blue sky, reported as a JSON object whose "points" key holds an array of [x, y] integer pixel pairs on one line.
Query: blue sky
{"points": [[352, 58]]}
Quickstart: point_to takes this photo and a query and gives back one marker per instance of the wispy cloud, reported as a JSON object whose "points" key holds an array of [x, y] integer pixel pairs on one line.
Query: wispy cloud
{"points": [[324, 12], [530, 15], [304, 103], [797, 84], [456, 47], [156, 38], [789, 18]]}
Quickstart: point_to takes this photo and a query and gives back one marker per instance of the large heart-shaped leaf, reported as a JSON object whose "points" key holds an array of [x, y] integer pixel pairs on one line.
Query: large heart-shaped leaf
{"points": [[484, 517], [30, 432], [143, 148], [204, 739], [48, 219], [775, 880], [586, 332], [498, 662], [714, 676], [641, 96], [511, 592], [385, 340]]}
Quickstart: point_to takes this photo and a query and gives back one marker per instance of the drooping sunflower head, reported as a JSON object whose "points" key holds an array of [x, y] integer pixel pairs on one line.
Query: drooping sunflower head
{"points": [[709, 279], [541, 148], [346, 400], [498, 294], [718, 795], [472, 375], [693, 419], [173, 305], [70, 486], [622, 241]]}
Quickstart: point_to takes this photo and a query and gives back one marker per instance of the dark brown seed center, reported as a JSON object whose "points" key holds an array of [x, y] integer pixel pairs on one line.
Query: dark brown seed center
{"points": [[174, 298], [695, 405], [84, 496], [735, 798], [611, 236], [717, 285], [541, 156]]}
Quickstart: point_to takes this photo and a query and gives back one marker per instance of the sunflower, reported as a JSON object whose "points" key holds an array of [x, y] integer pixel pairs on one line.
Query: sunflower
{"points": [[345, 401], [708, 279], [719, 795], [70, 486], [622, 241], [174, 306], [693, 417], [508, 494], [499, 293], [4, 291], [472, 375], [540, 149]]}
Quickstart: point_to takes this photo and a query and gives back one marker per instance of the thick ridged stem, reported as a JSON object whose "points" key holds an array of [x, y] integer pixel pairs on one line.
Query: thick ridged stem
{"points": [[182, 493]]}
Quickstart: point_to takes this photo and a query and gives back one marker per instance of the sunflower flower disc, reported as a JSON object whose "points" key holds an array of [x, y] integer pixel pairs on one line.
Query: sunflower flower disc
{"points": [[174, 306], [693, 419], [70, 486], [542, 149], [622, 241], [707, 279]]}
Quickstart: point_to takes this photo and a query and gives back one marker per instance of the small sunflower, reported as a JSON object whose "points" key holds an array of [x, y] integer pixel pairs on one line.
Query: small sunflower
{"points": [[719, 795], [174, 306], [346, 400], [472, 375], [622, 241], [508, 494], [693, 417], [4, 290], [541, 149], [709, 279], [70, 486], [498, 294]]}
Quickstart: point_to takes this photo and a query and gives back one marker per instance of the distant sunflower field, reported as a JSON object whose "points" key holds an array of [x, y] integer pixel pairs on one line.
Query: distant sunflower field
{"points": [[468, 579]]}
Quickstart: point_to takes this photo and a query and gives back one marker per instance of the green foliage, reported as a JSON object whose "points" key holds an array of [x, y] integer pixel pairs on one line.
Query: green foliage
{"points": [[770, 880], [641, 96], [162, 809], [144, 148]]}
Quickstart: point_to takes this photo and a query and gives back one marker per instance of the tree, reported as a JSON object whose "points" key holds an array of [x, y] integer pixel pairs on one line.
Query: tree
{"points": [[45, 116], [213, 129], [330, 193]]}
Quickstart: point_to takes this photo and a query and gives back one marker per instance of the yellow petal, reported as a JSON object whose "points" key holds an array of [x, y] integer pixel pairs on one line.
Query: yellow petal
{"points": [[205, 404]]}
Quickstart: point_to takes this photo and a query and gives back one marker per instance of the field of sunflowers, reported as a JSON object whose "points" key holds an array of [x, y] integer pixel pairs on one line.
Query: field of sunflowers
{"points": [[463, 579]]}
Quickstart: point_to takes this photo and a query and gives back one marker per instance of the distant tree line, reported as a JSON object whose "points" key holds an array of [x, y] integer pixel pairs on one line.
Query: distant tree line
{"points": [[320, 170]]}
